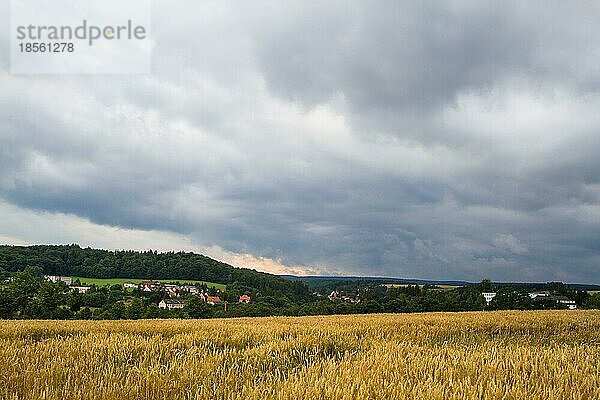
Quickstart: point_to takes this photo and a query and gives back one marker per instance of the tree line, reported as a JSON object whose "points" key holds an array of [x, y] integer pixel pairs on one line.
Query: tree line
{"points": [[27, 295], [72, 260]]}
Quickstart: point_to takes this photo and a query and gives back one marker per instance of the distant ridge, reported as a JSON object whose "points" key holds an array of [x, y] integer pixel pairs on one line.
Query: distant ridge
{"points": [[73, 260], [310, 280]]}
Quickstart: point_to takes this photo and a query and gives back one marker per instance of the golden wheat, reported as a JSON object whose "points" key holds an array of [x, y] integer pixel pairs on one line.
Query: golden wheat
{"points": [[492, 355]]}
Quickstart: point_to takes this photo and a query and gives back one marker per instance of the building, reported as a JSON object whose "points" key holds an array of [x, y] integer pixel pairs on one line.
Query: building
{"points": [[549, 299], [80, 289], [350, 299], [149, 286], [212, 300], [190, 289], [129, 285], [55, 279], [488, 296], [538, 295], [170, 304], [244, 299], [170, 289], [571, 304]]}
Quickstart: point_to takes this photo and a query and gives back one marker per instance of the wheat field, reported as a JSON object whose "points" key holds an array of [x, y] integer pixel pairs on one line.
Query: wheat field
{"points": [[490, 355]]}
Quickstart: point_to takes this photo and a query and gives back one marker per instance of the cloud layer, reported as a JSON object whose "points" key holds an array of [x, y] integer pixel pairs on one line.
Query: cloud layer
{"points": [[455, 141]]}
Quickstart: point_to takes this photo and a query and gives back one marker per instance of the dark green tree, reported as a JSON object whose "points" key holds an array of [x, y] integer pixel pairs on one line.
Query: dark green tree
{"points": [[46, 302], [197, 308], [153, 311], [84, 313], [6, 304], [74, 300], [36, 271], [3, 275], [135, 309], [486, 286], [593, 301], [118, 310], [507, 298], [23, 289]]}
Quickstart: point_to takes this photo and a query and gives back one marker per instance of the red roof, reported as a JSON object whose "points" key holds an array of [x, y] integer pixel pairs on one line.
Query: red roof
{"points": [[213, 299]]}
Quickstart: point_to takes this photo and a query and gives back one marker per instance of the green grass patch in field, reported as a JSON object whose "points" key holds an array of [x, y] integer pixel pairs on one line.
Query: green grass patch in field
{"points": [[120, 281]]}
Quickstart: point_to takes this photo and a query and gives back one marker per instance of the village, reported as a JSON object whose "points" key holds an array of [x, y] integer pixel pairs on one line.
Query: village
{"points": [[537, 297], [173, 291], [72, 297]]}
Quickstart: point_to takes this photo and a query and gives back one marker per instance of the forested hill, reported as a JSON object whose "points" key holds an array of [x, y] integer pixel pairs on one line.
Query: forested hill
{"points": [[72, 260]]}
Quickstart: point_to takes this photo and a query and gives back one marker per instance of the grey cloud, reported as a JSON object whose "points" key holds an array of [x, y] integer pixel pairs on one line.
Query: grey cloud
{"points": [[397, 64], [510, 243], [386, 138], [386, 55]]}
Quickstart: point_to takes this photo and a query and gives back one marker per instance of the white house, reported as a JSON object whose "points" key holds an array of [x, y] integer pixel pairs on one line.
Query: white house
{"points": [[80, 289], [571, 305], [488, 296], [538, 295], [170, 304], [129, 285], [541, 296], [55, 279], [191, 289], [149, 286]]}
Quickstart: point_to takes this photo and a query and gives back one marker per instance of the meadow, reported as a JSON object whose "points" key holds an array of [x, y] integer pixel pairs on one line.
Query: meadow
{"points": [[121, 281], [476, 355]]}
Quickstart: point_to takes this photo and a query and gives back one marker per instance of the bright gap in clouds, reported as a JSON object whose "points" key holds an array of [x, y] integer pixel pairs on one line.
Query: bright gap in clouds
{"points": [[25, 227]]}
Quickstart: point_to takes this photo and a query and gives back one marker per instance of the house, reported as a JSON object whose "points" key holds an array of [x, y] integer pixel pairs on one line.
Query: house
{"points": [[538, 295], [488, 296], [349, 299], [191, 289], [244, 299], [80, 289], [546, 296], [333, 296], [571, 304], [212, 300], [129, 285], [55, 279], [170, 304], [149, 286]]}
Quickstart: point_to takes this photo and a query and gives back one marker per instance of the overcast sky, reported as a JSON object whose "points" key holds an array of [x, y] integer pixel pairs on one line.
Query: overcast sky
{"points": [[394, 138]]}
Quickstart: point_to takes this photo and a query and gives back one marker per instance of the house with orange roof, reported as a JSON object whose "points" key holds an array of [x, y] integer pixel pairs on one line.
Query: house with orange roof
{"points": [[212, 300], [244, 299]]}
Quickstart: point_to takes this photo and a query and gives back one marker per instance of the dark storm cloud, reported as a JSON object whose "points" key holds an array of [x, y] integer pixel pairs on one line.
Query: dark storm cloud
{"points": [[387, 56], [454, 140], [394, 66]]}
